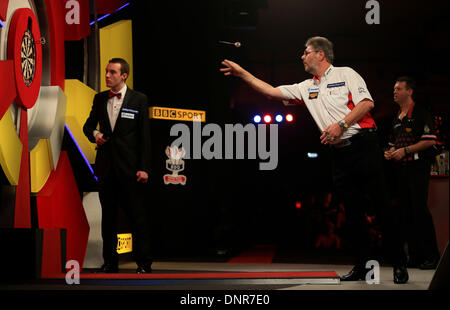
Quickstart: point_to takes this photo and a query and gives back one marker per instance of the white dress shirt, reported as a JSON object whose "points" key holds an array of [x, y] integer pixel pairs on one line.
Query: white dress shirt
{"points": [[113, 107]]}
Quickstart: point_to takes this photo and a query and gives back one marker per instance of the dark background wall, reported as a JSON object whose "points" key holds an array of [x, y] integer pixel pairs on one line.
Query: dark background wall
{"points": [[176, 63]]}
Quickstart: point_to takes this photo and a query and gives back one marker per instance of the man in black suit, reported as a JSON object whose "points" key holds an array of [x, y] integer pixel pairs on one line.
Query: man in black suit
{"points": [[122, 163]]}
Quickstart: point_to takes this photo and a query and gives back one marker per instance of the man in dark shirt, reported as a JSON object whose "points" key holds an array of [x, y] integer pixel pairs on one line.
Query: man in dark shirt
{"points": [[411, 139]]}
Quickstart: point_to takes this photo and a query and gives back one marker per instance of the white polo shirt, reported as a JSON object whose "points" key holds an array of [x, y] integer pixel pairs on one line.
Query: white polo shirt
{"points": [[331, 99]]}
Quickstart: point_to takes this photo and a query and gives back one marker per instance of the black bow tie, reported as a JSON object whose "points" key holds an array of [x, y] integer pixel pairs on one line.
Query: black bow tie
{"points": [[112, 94]]}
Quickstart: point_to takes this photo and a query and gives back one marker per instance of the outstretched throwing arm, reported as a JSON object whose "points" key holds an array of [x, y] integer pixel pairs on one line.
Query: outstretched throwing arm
{"points": [[232, 68]]}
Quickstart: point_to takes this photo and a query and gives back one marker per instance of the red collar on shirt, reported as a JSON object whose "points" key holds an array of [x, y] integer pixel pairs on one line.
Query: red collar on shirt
{"points": [[411, 109]]}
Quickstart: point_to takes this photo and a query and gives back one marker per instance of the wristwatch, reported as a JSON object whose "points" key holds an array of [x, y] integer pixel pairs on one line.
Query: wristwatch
{"points": [[407, 151], [343, 124]]}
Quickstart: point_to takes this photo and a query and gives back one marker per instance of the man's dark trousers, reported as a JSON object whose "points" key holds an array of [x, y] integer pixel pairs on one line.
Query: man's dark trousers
{"points": [[129, 195], [358, 177]]}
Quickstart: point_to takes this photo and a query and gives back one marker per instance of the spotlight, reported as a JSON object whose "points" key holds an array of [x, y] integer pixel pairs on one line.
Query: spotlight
{"points": [[267, 118], [257, 119], [279, 118], [289, 118]]}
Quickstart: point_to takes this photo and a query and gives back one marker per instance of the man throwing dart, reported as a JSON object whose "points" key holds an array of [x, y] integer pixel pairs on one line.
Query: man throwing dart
{"points": [[339, 102]]}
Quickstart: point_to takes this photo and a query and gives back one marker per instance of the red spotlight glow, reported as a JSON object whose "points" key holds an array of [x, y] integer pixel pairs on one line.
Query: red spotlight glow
{"points": [[267, 118], [289, 118], [298, 205]]}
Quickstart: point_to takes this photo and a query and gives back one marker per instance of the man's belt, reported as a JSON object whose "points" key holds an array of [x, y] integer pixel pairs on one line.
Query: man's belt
{"points": [[361, 133]]}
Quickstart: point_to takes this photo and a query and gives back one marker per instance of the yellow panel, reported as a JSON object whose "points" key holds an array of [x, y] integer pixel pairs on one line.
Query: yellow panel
{"points": [[124, 243], [116, 41], [41, 165], [79, 103], [10, 149]]}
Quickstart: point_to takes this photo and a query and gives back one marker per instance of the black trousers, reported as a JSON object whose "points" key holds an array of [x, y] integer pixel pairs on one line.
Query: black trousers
{"points": [[359, 178], [417, 227], [114, 193]]}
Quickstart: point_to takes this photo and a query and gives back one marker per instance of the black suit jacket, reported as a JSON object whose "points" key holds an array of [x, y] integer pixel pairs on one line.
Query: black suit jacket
{"points": [[128, 148]]}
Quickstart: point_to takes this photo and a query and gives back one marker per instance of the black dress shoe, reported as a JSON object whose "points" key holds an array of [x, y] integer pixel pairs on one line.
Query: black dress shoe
{"points": [[356, 274], [143, 269], [400, 275], [108, 268], [429, 264]]}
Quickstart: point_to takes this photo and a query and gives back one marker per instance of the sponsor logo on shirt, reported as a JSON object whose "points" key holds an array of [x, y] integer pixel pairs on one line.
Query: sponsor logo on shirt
{"points": [[339, 84], [361, 90], [313, 95], [313, 90]]}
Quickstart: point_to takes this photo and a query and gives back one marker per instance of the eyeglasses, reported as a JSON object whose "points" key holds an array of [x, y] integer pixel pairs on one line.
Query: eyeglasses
{"points": [[306, 53]]}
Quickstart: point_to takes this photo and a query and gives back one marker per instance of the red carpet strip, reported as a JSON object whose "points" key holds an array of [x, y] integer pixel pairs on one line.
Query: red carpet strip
{"points": [[220, 275]]}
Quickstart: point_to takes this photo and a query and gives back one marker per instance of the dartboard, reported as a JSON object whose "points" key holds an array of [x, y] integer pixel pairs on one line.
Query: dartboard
{"points": [[28, 56]]}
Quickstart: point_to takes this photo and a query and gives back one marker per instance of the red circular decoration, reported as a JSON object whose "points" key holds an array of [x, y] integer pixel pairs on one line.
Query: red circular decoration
{"points": [[25, 50]]}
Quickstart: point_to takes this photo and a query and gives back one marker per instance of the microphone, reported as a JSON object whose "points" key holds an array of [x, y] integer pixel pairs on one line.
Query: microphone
{"points": [[237, 44]]}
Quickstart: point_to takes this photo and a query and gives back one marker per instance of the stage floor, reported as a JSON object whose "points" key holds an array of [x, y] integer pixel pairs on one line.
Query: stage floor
{"points": [[259, 267], [229, 276]]}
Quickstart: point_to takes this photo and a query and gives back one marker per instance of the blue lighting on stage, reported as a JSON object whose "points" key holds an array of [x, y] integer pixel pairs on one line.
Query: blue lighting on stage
{"points": [[257, 119], [81, 152], [106, 15], [272, 118], [2, 24], [279, 118]]}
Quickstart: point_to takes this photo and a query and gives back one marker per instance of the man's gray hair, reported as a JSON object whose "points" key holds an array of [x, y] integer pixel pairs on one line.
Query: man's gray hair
{"points": [[322, 44]]}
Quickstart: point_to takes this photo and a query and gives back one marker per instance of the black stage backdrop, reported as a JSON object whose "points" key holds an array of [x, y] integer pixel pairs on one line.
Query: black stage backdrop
{"points": [[228, 204]]}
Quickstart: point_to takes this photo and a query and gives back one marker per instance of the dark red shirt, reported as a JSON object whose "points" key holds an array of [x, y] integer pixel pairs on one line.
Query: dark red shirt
{"points": [[416, 125]]}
